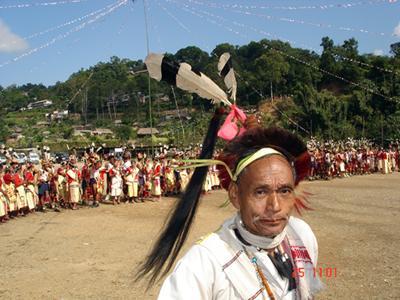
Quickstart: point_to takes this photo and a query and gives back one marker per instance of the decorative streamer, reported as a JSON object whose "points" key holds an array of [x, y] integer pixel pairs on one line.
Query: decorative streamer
{"points": [[290, 20], [53, 3], [173, 16], [315, 67], [297, 43], [63, 25], [206, 46], [63, 36], [256, 91], [321, 7]]}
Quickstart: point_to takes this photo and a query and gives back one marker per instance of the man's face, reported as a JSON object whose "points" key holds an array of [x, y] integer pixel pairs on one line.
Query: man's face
{"points": [[264, 195]]}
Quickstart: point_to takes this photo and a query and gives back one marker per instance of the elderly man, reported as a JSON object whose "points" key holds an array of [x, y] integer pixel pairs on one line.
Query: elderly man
{"points": [[263, 251]]}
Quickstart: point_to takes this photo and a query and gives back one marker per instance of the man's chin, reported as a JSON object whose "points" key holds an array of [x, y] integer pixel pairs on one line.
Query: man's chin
{"points": [[270, 231]]}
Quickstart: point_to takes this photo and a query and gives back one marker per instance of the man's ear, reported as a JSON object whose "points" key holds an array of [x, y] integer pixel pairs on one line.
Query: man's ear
{"points": [[233, 193]]}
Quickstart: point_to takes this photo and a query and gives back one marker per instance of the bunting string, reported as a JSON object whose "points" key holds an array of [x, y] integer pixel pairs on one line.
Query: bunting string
{"points": [[288, 20], [290, 120], [337, 55], [306, 7], [172, 16], [52, 3], [61, 25], [68, 33], [370, 90]]}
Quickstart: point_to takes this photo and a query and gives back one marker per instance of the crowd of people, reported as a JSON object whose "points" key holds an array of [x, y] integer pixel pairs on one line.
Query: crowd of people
{"points": [[91, 180], [352, 157], [98, 178]]}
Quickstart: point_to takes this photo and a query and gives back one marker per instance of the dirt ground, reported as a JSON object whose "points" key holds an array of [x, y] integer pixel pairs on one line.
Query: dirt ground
{"points": [[92, 253]]}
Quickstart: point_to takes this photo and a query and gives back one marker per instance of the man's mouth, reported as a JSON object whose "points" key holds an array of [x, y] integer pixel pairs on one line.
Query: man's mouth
{"points": [[271, 221]]}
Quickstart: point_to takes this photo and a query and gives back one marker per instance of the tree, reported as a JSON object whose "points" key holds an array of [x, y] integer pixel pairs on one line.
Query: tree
{"points": [[395, 49], [194, 56], [124, 132], [271, 69], [328, 61]]}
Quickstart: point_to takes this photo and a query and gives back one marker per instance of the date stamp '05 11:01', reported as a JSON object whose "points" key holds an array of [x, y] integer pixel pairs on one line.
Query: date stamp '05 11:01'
{"points": [[326, 272]]}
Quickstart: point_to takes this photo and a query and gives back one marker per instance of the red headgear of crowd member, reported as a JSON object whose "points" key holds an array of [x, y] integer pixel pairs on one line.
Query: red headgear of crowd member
{"points": [[29, 177], [7, 178]]}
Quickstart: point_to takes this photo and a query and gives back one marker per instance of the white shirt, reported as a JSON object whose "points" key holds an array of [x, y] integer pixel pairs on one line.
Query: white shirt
{"points": [[208, 271]]}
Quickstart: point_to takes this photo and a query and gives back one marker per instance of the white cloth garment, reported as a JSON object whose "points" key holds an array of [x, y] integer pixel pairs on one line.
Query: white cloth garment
{"points": [[217, 268]]}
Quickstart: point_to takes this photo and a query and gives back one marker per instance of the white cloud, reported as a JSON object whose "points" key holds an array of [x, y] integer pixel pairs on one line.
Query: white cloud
{"points": [[378, 52], [396, 30], [10, 42]]}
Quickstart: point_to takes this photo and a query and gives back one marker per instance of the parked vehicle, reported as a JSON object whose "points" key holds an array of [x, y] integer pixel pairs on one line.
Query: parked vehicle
{"points": [[34, 158], [3, 160], [61, 157], [21, 157]]}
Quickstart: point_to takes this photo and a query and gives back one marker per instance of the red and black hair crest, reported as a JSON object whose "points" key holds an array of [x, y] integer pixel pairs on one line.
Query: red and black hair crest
{"points": [[287, 143]]}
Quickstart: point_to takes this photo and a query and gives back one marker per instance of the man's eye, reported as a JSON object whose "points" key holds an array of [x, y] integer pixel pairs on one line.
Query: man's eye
{"points": [[261, 192], [286, 191]]}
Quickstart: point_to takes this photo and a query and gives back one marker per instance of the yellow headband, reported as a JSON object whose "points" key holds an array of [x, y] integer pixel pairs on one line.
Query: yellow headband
{"points": [[195, 163], [251, 158]]}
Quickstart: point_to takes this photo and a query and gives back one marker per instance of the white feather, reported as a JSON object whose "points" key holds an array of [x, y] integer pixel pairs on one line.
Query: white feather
{"points": [[230, 79], [188, 80], [201, 85], [153, 64]]}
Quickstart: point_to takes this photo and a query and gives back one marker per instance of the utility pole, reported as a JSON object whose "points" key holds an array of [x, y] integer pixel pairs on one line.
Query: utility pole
{"points": [[382, 130], [149, 81], [272, 93], [86, 104], [179, 113]]}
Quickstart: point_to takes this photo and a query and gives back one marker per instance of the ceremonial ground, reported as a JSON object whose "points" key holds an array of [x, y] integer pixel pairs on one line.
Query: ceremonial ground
{"points": [[93, 253]]}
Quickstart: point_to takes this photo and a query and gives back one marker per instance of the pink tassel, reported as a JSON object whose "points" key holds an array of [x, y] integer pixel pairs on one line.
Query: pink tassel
{"points": [[230, 129]]}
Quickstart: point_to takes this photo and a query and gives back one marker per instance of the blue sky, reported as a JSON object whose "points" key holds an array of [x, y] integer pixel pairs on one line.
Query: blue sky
{"points": [[45, 41]]}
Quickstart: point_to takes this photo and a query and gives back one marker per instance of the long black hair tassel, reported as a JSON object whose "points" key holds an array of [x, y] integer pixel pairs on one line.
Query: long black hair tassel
{"points": [[177, 228]]}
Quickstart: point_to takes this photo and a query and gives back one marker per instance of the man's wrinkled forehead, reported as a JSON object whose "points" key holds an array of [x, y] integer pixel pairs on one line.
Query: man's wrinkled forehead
{"points": [[275, 169]]}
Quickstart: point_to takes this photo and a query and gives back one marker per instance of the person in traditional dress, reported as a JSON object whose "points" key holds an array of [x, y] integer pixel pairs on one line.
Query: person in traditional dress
{"points": [[127, 165], [60, 187], [184, 180], [10, 194], [142, 181], [103, 181], [96, 184], [148, 171], [19, 184], [3, 204], [116, 182], [207, 183], [85, 182], [43, 187], [31, 195], [156, 183], [132, 182], [73, 184], [169, 180], [385, 162], [263, 251]]}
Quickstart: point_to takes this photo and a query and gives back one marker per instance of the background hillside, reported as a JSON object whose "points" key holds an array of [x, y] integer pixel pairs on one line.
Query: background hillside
{"points": [[360, 100]]}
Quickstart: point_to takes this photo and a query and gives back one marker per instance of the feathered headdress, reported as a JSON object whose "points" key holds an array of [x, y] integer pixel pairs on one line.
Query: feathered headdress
{"points": [[177, 228], [183, 76]]}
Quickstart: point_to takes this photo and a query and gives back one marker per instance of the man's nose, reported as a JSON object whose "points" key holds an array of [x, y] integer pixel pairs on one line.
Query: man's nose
{"points": [[273, 202]]}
